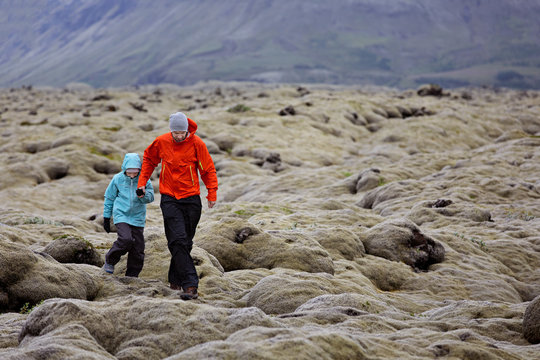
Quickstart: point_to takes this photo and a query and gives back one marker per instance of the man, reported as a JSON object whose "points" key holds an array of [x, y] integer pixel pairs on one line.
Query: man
{"points": [[182, 154]]}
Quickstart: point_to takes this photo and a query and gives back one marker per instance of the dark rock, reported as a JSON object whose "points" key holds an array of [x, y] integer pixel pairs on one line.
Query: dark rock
{"points": [[273, 162], [402, 240], [102, 97], [302, 91], [243, 235], [289, 110], [466, 95], [356, 119], [531, 322], [138, 106], [430, 90], [421, 111], [405, 112], [440, 203], [73, 250], [273, 158]]}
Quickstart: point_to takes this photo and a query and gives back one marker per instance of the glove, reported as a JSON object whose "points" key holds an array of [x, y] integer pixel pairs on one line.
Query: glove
{"points": [[139, 192], [107, 224]]}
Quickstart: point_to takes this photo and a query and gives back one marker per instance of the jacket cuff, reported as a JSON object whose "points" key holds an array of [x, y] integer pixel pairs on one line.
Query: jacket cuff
{"points": [[212, 195]]}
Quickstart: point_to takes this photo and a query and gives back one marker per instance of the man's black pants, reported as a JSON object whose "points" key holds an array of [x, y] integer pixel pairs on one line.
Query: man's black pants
{"points": [[131, 241], [180, 218]]}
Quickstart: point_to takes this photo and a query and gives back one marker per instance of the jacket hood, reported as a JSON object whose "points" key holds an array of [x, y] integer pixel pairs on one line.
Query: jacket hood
{"points": [[192, 126], [132, 161]]}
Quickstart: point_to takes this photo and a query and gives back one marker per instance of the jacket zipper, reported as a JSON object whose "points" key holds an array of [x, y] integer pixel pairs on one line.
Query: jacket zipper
{"points": [[130, 195], [190, 173]]}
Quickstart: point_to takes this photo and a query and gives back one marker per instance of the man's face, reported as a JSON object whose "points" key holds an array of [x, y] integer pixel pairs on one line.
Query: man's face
{"points": [[132, 173], [179, 135]]}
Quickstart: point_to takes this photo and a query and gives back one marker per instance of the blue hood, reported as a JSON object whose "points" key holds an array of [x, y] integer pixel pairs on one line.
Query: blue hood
{"points": [[131, 161]]}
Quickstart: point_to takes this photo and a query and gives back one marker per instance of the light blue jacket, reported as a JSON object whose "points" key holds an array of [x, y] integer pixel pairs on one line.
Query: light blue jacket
{"points": [[121, 201]]}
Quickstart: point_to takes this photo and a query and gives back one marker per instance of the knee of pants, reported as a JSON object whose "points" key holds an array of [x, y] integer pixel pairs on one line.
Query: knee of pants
{"points": [[184, 244]]}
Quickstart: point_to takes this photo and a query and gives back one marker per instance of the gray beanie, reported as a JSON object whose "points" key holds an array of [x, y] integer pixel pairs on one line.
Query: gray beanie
{"points": [[178, 122]]}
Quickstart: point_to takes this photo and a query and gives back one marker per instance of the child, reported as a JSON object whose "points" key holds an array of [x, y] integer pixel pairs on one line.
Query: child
{"points": [[129, 213]]}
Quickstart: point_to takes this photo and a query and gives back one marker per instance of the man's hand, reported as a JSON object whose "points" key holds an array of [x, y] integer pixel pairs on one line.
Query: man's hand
{"points": [[107, 224], [141, 191], [211, 204]]}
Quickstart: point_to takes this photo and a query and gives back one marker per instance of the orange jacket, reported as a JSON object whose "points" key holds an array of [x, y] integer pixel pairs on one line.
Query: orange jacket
{"points": [[179, 165]]}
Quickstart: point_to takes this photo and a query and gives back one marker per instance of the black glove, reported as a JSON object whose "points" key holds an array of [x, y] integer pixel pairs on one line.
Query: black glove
{"points": [[107, 224], [139, 192]]}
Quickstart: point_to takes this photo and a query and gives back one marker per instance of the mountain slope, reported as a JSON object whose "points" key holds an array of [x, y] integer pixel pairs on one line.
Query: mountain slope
{"points": [[396, 43]]}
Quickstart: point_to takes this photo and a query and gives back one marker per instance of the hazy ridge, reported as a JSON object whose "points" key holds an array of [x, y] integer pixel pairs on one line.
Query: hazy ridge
{"points": [[394, 43]]}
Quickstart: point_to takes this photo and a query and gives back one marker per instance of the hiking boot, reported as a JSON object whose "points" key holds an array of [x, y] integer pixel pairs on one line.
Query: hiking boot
{"points": [[108, 268], [189, 294], [176, 287]]}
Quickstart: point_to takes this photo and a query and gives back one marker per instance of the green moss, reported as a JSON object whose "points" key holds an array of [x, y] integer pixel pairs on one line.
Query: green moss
{"points": [[243, 212], [287, 211], [239, 108], [112, 128], [27, 308], [94, 150], [382, 181]]}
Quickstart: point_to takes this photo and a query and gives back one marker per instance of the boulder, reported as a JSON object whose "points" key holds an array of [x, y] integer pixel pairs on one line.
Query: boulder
{"points": [[386, 275], [282, 293], [149, 327], [531, 322], [282, 343], [35, 147], [391, 191], [225, 142], [402, 240], [237, 244], [428, 211], [368, 179], [355, 301], [72, 249], [339, 242], [29, 277]]}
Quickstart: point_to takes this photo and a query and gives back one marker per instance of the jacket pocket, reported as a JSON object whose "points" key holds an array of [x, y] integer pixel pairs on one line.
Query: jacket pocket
{"points": [[185, 175]]}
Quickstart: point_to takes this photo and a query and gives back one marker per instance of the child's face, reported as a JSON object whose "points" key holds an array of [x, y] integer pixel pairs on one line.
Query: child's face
{"points": [[132, 172]]}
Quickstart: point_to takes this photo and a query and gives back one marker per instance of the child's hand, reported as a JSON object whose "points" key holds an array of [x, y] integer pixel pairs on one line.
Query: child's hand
{"points": [[107, 224], [141, 191]]}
